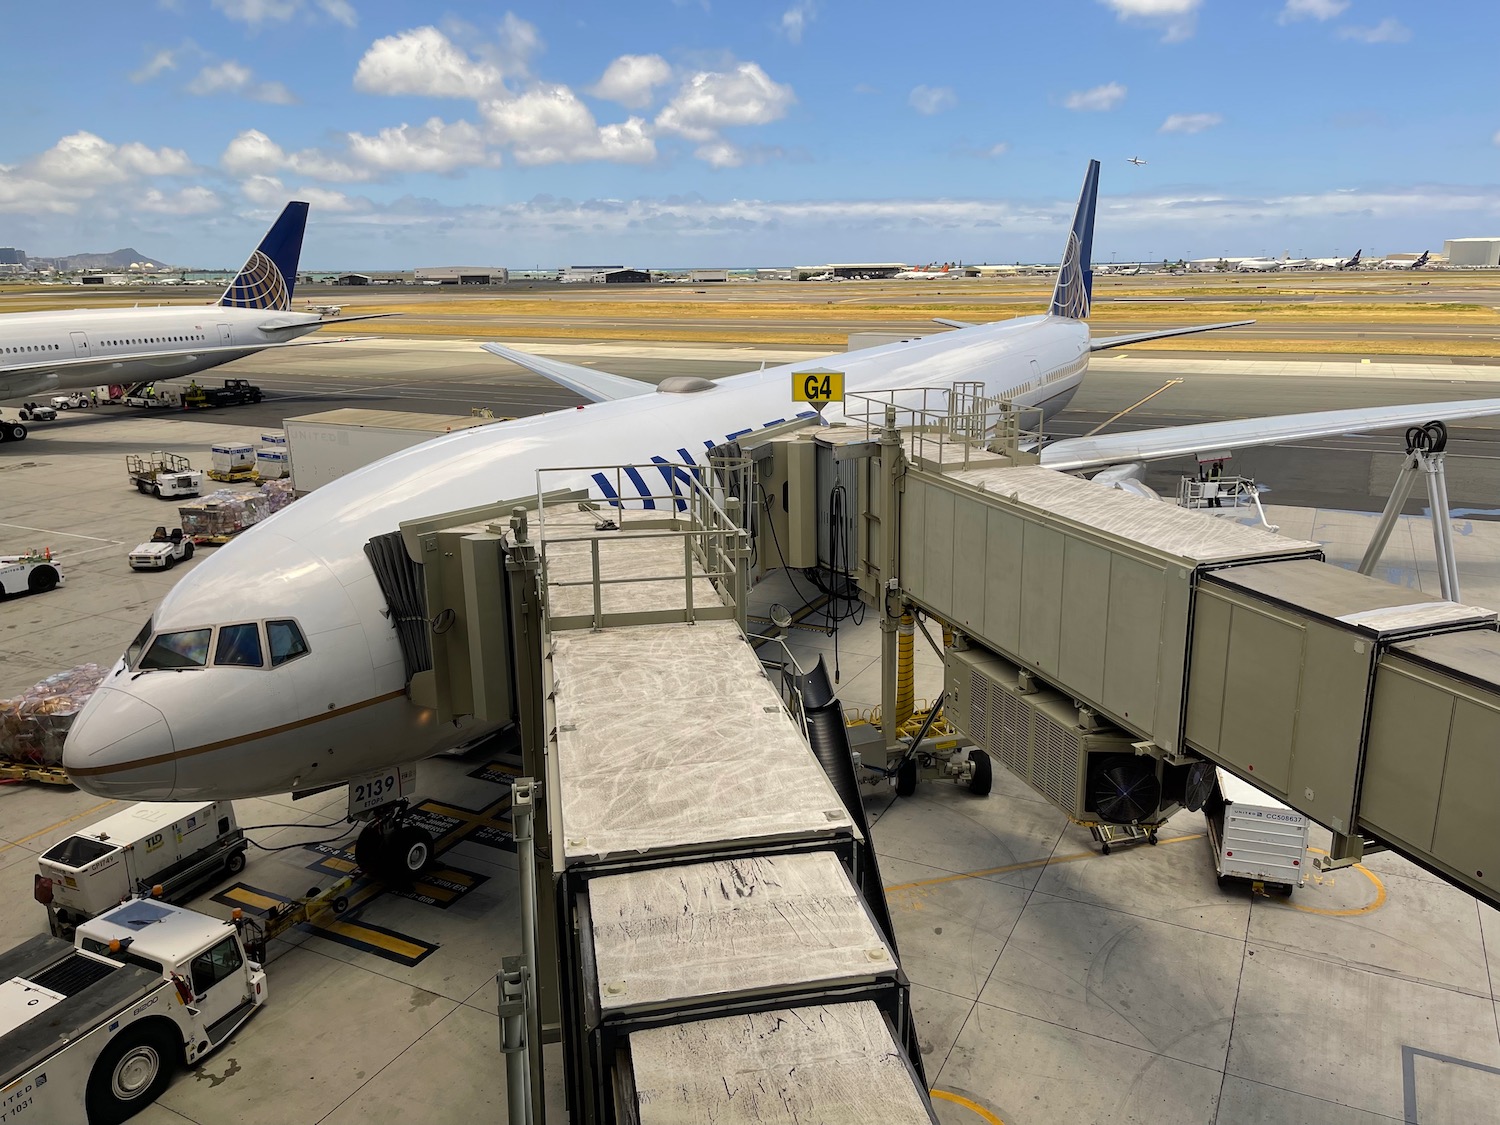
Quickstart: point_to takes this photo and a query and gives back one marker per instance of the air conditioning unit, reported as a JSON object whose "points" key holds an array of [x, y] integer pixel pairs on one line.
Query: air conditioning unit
{"points": [[1092, 774]]}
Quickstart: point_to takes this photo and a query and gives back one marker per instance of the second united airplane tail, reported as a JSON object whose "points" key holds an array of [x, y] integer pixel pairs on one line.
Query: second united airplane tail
{"points": [[267, 278], [1075, 280]]}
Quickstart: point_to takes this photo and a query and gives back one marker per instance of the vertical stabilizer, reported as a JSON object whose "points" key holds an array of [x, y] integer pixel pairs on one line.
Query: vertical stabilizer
{"points": [[266, 280], [1075, 280]]}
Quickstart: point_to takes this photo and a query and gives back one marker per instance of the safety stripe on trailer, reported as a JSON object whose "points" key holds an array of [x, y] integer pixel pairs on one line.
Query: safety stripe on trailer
{"points": [[388, 944]]}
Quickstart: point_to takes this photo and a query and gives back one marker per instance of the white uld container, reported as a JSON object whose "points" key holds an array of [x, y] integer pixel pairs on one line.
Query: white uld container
{"points": [[1254, 835], [271, 464], [233, 457], [273, 437]]}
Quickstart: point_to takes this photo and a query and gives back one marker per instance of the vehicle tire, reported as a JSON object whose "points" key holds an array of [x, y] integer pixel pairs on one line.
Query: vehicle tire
{"points": [[142, 487], [156, 490], [409, 854], [235, 863], [187, 551], [984, 773], [170, 563], [42, 579], [15, 432], [906, 778], [369, 848], [131, 1072]]}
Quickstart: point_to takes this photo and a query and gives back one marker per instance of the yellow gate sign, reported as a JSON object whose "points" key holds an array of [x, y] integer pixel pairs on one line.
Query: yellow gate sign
{"points": [[818, 385]]}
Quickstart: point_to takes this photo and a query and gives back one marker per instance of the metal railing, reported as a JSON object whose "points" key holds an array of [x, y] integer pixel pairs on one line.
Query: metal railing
{"points": [[948, 426], [693, 508]]}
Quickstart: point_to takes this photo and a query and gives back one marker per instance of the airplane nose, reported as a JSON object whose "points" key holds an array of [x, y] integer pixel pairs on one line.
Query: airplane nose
{"points": [[121, 746]]}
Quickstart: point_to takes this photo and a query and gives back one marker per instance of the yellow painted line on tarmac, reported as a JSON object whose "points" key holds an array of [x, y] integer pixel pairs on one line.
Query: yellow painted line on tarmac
{"points": [[59, 824], [241, 895], [975, 1107], [988, 871], [1353, 911], [384, 939]]}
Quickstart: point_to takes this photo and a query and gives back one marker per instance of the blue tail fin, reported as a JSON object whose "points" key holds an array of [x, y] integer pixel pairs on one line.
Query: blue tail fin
{"points": [[267, 279], [1075, 280]]}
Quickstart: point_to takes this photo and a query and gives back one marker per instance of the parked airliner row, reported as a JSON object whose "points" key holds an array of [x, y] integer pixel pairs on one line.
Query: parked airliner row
{"points": [[275, 666], [48, 351]]}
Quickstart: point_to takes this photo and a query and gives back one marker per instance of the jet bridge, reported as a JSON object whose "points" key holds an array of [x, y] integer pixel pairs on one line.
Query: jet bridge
{"points": [[701, 922], [1108, 644]]}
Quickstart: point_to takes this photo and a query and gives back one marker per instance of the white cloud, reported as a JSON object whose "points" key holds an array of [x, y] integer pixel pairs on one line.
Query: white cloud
{"points": [[932, 99], [268, 191], [1179, 17], [163, 60], [1311, 9], [795, 19], [1190, 122], [257, 12], [712, 100], [1388, 30], [424, 61], [1103, 97], [995, 150], [252, 152], [84, 158], [433, 147], [197, 200], [518, 41], [1496, 138], [720, 154], [630, 80], [231, 77], [549, 125]]}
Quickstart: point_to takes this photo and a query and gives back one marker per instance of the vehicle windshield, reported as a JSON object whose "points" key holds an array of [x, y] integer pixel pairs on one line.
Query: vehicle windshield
{"points": [[187, 649], [137, 646]]}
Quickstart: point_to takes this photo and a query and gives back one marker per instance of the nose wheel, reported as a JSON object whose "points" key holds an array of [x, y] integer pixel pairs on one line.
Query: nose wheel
{"points": [[394, 849]]}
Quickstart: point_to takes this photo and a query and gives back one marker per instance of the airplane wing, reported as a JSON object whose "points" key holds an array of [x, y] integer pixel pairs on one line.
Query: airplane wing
{"points": [[1099, 343], [274, 325], [953, 323], [596, 386], [106, 368], [1243, 433]]}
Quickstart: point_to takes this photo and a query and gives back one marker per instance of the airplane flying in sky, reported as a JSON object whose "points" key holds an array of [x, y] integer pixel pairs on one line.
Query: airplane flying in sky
{"points": [[1136, 160], [274, 664], [47, 351]]}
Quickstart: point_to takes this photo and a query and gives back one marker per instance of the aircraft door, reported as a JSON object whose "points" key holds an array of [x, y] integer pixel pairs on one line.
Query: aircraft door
{"points": [[225, 336], [80, 344]]}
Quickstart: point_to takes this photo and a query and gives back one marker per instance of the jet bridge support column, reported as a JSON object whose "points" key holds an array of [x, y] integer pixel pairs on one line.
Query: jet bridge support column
{"points": [[890, 568]]}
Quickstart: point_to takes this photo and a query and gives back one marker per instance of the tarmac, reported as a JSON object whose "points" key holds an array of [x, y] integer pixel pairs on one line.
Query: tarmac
{"points": [[1050, 983]]}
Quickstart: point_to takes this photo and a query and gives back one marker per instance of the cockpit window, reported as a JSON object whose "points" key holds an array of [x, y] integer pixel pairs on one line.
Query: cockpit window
{"points": [[137, 646], [285, 639], [239, 645], [187, 649]]}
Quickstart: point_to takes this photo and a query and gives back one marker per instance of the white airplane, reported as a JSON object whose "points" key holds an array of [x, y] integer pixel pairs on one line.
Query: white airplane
{"points": [[1262, 265], [1136, 160], [920, 275], [44, 352], [275, 666], [1403, 264]]}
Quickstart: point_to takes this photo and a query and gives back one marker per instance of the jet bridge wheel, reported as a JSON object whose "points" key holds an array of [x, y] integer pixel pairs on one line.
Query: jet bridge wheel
{"points": [[395, 852], [984, 775], [906, 777]]}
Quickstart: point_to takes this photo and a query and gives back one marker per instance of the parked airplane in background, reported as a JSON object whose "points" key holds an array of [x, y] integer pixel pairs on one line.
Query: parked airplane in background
{"points": [[274, 665], [47, 351], [1261, 265], [1136, 160], [1403, 264], [921, 275]]}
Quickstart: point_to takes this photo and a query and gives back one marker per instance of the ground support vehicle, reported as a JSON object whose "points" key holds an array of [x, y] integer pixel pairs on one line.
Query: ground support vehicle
{"points": [[11, 431], [74, 400], [234, 392], [31, 573], [164, 475], [171, 846], [37, 412], [93, 1031], [1254, 837], [164, 550]]}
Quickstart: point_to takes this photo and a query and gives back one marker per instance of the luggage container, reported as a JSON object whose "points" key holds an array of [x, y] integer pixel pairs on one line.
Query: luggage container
{"points": [[1254, 836]]}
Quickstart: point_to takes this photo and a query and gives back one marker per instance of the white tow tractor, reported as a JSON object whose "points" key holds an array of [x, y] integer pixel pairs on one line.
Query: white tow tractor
{"points": [[73, 400], [163, 475], [37, 412], [163, 551], [94, 1030], [172, 846], [32, 573]]}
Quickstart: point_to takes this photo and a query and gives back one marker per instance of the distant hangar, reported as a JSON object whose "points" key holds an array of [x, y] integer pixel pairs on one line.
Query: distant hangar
{"points": [[1472, 251], [461, 275]]}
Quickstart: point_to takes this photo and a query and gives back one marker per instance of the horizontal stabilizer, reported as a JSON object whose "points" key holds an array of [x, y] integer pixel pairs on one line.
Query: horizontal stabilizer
{"points": [[596, 386], [1099, 343], [953, 323], [286, 324], [1243, 433]]}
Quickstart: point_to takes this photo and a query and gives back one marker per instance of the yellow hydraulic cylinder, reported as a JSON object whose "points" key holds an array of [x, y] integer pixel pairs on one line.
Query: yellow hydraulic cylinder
{"points": [[906, 670]]}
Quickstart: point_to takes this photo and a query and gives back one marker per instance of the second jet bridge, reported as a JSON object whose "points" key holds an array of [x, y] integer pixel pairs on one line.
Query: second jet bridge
{"points": [[1122, 627]]}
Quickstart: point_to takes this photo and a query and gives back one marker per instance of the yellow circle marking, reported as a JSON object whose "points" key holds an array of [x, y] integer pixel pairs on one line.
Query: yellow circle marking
{"points": [[959, 1099], [1368, 908]]}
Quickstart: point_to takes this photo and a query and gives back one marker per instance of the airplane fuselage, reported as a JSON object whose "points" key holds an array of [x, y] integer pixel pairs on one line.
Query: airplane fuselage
{"points": [[341, 709], [47, 351]]}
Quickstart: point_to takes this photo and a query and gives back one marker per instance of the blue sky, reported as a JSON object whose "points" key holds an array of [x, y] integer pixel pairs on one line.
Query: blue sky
{"points": [[707, 132]]}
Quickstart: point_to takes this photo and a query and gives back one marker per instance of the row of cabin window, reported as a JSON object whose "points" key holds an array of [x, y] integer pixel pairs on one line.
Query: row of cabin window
{"points": [[154, 340], [33, 348], [238, 646]]}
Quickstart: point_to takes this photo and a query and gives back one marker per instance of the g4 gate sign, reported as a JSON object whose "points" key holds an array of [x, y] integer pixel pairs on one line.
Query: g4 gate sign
{"points": [[818, 385]]}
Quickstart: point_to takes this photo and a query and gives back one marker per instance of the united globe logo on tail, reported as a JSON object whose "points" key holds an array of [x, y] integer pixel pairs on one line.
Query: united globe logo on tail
{"points": [[259, 285]]}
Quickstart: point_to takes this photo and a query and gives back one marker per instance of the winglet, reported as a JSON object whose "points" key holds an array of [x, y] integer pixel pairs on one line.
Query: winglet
{"points": [[1075, 280], [269, 275], [596, 386]]}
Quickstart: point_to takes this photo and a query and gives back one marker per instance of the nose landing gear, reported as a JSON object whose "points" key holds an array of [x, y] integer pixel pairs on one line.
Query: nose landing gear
{"points": [[393, 848]]}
